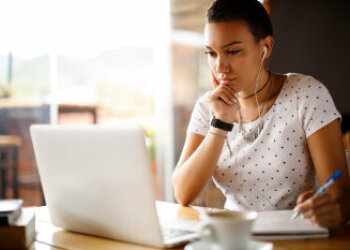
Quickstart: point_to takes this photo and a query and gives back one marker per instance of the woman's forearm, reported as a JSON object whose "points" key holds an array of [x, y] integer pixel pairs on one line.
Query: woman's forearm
{"points": [[190, 177]]}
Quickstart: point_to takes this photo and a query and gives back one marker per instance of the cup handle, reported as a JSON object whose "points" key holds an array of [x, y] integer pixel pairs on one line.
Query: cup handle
{"points": [[205, 227]]}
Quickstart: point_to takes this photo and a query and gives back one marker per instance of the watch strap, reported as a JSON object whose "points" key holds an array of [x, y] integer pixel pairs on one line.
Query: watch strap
{"points": [[217, 123]]}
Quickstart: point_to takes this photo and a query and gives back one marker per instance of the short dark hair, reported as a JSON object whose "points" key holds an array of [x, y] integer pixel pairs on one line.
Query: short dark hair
{"points": [[250, 11]]}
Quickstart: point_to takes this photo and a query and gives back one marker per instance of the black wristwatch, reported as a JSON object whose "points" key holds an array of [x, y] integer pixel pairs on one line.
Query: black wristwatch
{"points": [[216, 123]]}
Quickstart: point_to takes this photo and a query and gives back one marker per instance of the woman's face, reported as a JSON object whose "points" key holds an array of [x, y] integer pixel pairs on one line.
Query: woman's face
{"points": [[234, 56]]}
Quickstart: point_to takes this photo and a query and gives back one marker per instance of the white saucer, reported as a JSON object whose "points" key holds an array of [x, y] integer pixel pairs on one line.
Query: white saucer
{"points": [[208, 245]]}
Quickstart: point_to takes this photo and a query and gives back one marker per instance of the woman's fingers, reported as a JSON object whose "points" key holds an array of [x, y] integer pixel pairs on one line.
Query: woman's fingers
{"points": [[321, 210], [304, 196], [330, 216], [320, 214], [225, 98], [220, 95], [230, 93], [314, 202], [216, 83], [224, 93], [316, 206]]}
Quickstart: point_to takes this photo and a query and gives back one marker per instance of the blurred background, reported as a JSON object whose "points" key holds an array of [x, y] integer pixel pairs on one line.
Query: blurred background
{"points": [[138, 62]]}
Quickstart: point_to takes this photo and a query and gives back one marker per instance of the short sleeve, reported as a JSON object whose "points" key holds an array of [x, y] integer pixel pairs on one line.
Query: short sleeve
{"points": [[200, 118], [316, 108]]}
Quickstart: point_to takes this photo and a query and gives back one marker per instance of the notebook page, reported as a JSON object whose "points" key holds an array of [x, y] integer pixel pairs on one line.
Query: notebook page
{"points": [[279, 222]]}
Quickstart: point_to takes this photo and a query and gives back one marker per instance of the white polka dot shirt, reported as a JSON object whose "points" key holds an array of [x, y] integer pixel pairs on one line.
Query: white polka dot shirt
{"points": [[272, 171]]}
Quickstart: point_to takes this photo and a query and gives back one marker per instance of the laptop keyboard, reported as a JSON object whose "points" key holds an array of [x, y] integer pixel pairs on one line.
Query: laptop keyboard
{"points": [[170, 233]]}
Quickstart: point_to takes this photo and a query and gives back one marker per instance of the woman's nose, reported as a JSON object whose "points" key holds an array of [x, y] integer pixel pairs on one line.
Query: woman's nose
{"points": [[222, 65]]}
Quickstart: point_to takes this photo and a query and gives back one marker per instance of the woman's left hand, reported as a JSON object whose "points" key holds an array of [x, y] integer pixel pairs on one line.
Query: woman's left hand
{"points": [[322, 210]]}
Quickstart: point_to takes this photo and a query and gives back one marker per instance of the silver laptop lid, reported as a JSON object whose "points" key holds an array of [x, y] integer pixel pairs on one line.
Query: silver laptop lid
{"points": [[98, 180]]}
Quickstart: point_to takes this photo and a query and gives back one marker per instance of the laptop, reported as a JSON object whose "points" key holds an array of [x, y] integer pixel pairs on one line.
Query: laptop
{"points": [[98, 181]]}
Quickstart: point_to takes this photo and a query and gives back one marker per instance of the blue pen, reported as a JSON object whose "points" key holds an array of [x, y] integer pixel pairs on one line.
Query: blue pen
{"points": [[329, 182]]}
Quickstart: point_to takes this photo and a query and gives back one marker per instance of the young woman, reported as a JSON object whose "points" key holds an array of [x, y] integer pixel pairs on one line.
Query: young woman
{"points": [[263, 137]]}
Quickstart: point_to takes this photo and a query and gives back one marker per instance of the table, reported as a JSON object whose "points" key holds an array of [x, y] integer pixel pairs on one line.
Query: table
{"points": [[51, 237]]}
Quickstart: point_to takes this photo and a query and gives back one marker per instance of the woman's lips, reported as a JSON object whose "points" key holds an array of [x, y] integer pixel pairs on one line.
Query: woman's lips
{"points": [[226, 80]]}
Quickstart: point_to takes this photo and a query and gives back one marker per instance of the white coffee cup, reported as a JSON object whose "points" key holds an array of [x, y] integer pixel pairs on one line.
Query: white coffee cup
{"points": [[228, 229]]}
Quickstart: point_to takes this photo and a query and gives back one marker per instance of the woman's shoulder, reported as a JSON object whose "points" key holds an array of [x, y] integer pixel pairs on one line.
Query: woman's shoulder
{"points": [[202, 103], [204, 96], [313, 101], [303, 84], [302, 80]]}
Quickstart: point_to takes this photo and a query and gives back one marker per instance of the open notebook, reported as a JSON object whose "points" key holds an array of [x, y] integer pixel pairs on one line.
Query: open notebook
{"points": [[278, 225]]}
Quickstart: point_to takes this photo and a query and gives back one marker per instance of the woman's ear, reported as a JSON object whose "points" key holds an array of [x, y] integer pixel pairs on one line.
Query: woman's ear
{"points": [[268, 45]]}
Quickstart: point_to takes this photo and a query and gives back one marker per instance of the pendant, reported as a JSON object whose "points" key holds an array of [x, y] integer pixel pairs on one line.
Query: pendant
{"points": [[251, 136]]}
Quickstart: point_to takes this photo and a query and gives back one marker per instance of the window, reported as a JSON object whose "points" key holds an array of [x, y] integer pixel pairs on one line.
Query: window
{"points": [[90, 62]]}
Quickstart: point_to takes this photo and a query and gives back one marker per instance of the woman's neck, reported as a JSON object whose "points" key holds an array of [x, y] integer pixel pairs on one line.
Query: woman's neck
{"points": [[249, 107], [247, 96]]}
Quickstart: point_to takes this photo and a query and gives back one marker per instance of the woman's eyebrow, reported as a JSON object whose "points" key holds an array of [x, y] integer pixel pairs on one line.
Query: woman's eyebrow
{"points": [[231, 43], [226, 45]]}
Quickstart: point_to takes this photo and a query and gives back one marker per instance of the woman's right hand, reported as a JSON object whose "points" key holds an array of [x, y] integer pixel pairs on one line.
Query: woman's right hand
{"points": [[223, 101]]}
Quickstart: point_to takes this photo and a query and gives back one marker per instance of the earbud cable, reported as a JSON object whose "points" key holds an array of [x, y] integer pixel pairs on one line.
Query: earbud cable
{"points": [[256, 93]]}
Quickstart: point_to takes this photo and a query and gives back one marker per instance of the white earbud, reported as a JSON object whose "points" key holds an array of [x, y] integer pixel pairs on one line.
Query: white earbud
{"points": [[265, 51]]}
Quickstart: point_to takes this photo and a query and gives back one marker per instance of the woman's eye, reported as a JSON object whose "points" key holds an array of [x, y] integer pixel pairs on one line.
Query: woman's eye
{"points": [[234, 52], [209, 53]]}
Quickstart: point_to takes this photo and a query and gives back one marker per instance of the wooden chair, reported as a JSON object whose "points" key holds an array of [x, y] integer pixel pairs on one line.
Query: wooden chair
{"points": [[9, 149], [15, 119]]}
